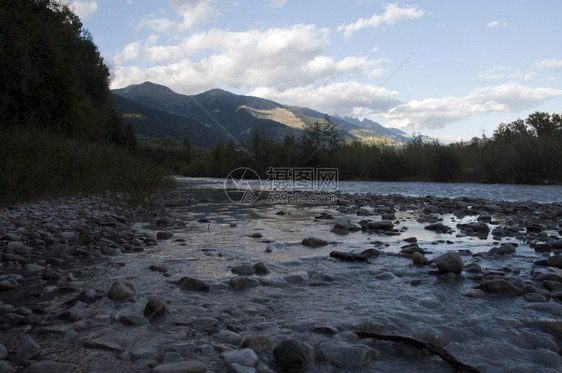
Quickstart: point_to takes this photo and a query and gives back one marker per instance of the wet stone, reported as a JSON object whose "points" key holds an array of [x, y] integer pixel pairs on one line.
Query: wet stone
{"points": [[344, 356], [242, 283], [164, 235], [154, 308], [181, 367], [190, 283], [28, 349], [291, 355], [258, 343], [449, 262], [314, 242], [227, 336], [121, 290], [246, 357], [261, 268], [243, 270]]}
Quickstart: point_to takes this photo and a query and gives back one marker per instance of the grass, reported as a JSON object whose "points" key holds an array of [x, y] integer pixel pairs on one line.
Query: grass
{"points": [[37, 164]]}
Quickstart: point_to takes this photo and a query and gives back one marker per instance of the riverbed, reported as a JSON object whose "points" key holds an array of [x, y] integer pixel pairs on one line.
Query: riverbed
{"points": [[303, 294]]}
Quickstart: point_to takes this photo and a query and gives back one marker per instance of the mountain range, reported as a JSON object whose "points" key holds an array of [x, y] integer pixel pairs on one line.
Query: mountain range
{"points": [[155, 111]]}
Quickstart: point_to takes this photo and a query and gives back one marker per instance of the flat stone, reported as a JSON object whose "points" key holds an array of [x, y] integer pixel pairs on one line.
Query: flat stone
{"points": [[246, 357], [181, 367], [230, 337], [345, 356], [242, 283], [101, 344], [237, 368], [499, 287], [258, 343], [47, 366], [10, 257]]}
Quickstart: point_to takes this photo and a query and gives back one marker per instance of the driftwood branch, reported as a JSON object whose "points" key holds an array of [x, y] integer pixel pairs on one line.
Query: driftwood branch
{"points": [[436, 350]]}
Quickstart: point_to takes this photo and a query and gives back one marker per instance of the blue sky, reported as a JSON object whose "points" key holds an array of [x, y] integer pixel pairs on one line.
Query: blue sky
{"points": [[448, 69]]}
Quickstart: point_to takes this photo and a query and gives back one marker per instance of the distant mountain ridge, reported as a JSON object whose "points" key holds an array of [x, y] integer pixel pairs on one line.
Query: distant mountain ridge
{"points": [[156, 111]]}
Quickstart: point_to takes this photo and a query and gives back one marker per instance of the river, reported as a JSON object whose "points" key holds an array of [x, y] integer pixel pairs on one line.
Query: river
{"points": [[307, 288]]}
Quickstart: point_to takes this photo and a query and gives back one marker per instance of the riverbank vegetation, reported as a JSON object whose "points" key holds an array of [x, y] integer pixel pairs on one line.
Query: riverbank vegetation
{"points": [[523, 151], [59, 134]]}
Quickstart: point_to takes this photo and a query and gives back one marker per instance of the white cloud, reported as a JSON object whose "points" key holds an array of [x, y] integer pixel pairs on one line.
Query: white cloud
{"points": [[392, 14], [83, 8], [494, 24], [130, 52], [434, 113], [506, 73], [278, 3], [281, 58], [553, 64], [342, 98], [191, 13]]}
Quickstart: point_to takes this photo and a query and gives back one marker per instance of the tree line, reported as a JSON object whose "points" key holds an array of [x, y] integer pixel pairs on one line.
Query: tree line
{"points": [[59, 134], [523, 151]]}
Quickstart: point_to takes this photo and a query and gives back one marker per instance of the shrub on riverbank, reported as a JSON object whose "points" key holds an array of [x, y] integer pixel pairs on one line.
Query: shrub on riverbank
{"points": [[37, 164], [519, 152]]}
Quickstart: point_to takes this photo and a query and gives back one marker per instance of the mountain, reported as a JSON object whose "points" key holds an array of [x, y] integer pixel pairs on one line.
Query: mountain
{"points": [[224, 113], [214, 115], [381, 131], [150, 123]]}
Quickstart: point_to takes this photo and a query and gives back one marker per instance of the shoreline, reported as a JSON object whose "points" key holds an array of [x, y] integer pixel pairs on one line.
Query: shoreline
{"points": [[52, 251]]}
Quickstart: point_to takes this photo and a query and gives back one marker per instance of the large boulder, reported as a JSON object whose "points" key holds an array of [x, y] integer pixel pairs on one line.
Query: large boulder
{"points": [[499, 287], [449, 262], [292, 355]]}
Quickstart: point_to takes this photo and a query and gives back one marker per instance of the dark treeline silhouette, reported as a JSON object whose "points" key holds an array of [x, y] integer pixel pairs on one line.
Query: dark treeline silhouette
{"points": [[59, 134], [523, 151]]}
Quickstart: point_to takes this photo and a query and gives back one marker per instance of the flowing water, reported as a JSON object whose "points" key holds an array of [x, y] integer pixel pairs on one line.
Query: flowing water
{"points": [[306, 288]]}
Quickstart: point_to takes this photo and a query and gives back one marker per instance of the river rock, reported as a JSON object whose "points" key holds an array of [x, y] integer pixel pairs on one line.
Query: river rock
{"points": [[10, 257], [543, 248], [449, 262], [28, 349], [383, 225], [121, 290], [314, 242], [258, 343], [554, 261], [345, 356], [438, 228], [154, 308], [246, 357], [9, 284], [3, 352], [242, 283], [6, 367], [243, 270], [292, 355], [419, 259], [552, 326], [133, 320], [237, 368], [499, 287], [504, 249], [47, 366], [164, 235], [230, 337], [478, 229], [547, 273], [261, 268], [190, 283], [181, 367]]}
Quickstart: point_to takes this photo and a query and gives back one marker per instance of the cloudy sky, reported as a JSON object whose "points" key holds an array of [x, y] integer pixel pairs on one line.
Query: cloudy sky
{"points": [[448, 69]]}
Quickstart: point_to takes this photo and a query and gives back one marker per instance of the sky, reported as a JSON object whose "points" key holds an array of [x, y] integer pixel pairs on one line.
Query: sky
{"points": [[452, 70]]}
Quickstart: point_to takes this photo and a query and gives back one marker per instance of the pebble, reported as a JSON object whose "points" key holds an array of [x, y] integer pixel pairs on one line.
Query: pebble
{"points": [[246, 357], [181, 367]]}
